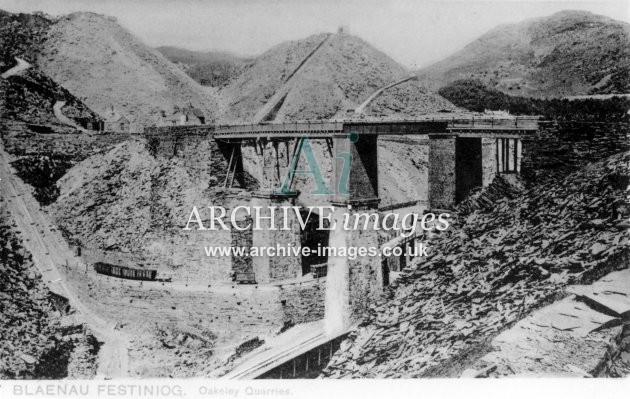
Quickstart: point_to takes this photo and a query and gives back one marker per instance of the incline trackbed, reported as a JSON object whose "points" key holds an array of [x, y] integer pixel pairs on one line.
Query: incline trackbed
{"points": [[49, 251]]}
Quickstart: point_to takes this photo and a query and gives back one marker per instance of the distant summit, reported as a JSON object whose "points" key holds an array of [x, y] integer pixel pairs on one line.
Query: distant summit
{"points": [[94, 57], [567, 53], [326, 74]]}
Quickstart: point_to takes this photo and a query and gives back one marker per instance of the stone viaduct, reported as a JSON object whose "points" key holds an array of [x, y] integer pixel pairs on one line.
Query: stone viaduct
{"points": [[464, 153]]}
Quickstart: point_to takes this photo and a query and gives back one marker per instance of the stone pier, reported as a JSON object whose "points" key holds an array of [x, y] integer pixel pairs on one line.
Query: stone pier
{"points": [[353, 282], [273, 268], [442, 173], [460, 163]]}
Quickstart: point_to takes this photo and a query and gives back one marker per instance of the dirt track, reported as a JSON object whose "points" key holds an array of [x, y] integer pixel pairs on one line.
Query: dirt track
{"points": [[21, 66], [50, 251], [64, 119]]}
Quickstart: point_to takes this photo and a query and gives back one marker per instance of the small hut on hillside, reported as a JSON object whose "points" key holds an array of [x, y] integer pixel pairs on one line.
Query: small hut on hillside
{"points": [[116, 122], [185, 116]]}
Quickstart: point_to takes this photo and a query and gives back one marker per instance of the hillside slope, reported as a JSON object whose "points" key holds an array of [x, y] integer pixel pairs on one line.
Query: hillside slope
{"points": [[103, 64], [474, 95], [567, 53], [30, 96], [208, 68], [499, 260], [119, 186], [98, 60], [343, 71], [21, 35]]}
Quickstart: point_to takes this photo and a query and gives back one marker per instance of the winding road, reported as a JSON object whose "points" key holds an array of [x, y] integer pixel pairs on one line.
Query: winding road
{"points": [[64, 119], [21, 66]]}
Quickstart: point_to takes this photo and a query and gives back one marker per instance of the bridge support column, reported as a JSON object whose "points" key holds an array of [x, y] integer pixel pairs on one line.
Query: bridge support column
{"points": [[234, 175], [442, 171], [508, 155], [352, 281], [351, 284], [459, 164], [489, 159], [272, 268]]}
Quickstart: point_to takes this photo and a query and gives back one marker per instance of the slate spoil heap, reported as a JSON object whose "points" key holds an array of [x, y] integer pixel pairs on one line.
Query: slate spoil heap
{"points": [[37, 340], [500, 260]]}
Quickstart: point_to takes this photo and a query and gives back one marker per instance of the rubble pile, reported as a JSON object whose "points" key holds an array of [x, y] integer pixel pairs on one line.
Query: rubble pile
{"points": [[579, 335], [503, 186], [407, 101], [99, 193], [491, 268], [114, 201], [179, 352], [97, 59], [37, 340], [620, 364]]}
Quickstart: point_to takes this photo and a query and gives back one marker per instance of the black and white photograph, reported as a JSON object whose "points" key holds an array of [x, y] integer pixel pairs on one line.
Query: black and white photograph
{"points": [[228, 199]]}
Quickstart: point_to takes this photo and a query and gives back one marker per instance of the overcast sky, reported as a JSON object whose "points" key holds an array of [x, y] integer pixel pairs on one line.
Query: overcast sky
{"points": [[414, 33]]}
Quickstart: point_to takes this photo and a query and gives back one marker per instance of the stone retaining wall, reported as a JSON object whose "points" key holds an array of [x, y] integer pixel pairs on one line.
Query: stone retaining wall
{"points": [[560, 145], [244, 310], [303, 302], [21, 140]]}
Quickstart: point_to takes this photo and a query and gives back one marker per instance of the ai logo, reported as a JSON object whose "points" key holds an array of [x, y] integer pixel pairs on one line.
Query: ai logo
{"points": [[304, 147]]}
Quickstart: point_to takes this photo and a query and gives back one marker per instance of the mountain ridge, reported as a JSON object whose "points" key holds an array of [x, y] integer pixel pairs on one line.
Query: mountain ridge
{"points": [[97, 59], [103, 64], [344, 71], [566, 53]]}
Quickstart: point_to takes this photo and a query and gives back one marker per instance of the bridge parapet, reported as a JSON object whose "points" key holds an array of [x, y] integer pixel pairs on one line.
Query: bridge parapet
{"points": [[278, 129], [429, 124], [517, 123], [188, 130]]}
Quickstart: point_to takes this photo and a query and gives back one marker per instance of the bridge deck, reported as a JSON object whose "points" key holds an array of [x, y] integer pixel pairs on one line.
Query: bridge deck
{"points": [[429, 124], [293, 343]]}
